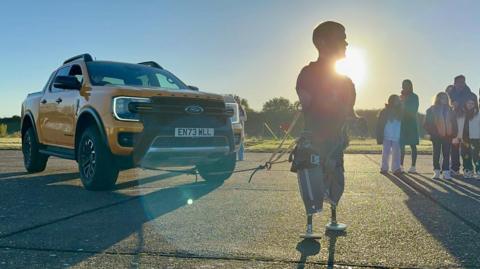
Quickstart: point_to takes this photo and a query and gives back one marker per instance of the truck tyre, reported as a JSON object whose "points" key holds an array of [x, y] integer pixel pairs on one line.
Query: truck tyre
{"points": [[33, 160], [220, 170], [98, 170]]}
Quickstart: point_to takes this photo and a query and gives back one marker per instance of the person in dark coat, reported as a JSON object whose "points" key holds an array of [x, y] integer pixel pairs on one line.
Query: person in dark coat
{"points": [[459, 94], [409, 129]]}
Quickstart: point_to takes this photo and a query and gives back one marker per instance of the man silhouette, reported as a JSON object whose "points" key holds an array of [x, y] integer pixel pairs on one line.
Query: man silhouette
{"points": [[327, 100]]}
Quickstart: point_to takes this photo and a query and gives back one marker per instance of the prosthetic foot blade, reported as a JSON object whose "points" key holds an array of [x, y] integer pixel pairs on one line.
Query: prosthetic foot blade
{"points": [[336, 227], [311, 236]]}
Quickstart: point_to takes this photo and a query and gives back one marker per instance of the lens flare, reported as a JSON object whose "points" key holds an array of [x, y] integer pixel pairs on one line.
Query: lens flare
{"points": [[353, 65]]}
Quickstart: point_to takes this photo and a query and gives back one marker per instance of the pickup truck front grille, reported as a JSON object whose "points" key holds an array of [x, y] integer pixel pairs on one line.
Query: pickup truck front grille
{"points": [[167, 142], [164, 114], [177, 106]]}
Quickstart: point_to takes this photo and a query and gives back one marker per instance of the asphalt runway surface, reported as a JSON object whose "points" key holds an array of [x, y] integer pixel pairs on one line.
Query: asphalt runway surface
{"points": [[157, 219]]}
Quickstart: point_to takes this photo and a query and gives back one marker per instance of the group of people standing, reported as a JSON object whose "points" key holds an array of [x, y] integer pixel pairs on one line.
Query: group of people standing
{"points": [[452, 122]]}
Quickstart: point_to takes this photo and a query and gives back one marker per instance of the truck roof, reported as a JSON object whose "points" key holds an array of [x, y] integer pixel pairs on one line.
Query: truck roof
{"points": [[88, 58]]}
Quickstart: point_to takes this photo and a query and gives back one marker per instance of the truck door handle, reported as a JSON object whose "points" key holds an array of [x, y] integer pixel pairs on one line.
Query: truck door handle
{"points": [[59, 100], [43, 101]]}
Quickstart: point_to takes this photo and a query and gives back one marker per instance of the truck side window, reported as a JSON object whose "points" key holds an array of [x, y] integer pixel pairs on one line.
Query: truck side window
{"points": [[61, 72], [49, 81], [76, 71]]}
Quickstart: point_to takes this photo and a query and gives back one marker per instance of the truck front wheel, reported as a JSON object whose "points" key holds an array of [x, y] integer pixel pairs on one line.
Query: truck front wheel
{"points": [[98, 170], [220, 170]]}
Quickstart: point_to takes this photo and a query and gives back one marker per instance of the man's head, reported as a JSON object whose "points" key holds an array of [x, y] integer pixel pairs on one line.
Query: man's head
{"points": [[329, 39], [459, 82]]}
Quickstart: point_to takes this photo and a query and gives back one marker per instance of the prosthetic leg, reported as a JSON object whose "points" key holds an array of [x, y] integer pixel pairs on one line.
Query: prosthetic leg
{"points": [[309, 234], [333, 225]]}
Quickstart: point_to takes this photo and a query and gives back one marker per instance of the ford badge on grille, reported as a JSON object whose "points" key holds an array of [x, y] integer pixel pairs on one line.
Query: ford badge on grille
{"points": [[194, 109]]}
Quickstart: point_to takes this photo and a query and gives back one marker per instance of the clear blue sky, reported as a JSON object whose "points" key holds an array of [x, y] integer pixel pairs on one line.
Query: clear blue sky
{"points": [[251, 48]]}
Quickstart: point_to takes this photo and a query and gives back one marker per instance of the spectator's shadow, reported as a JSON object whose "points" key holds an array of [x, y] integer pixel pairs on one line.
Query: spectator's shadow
{"points": [[466, 187], [442, 223]]}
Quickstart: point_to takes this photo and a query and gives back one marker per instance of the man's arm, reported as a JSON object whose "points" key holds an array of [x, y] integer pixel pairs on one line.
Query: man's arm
{"points": [[305, 99], [351, 114], [304, 95]]}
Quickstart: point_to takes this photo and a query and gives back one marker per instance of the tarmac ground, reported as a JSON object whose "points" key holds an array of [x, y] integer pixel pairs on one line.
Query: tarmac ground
{"points": [[157, 219]]}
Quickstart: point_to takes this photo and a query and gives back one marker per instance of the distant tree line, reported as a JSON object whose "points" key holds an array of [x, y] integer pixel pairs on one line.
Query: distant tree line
{"points": [[278, 112], [9, 125]]}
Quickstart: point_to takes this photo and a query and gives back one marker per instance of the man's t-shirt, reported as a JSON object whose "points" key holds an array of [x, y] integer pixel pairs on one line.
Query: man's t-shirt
{"points": [[330, 101]]}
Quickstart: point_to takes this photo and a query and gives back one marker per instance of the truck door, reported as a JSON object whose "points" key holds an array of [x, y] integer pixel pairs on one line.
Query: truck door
{"points": [[67, 108], [47, 116], [60, 111]]}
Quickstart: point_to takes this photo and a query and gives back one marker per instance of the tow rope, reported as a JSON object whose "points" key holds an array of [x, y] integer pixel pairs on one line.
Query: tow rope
{"points": [[274, 158], [279, 152]]}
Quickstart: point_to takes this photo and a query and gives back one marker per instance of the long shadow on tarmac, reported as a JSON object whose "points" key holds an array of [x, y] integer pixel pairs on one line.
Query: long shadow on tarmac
{"points": [[87, 222], [445, 225], [311, 247], [12, 174], [467, 187], [332, 241], [307, 248]]}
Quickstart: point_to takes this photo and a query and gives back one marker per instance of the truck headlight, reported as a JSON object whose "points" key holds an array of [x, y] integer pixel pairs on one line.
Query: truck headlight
{"points": [[121, 109], [236, 115]]}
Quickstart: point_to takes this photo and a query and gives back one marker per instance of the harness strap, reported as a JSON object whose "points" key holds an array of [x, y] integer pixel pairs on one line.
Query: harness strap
{"points": [[279, 148]]}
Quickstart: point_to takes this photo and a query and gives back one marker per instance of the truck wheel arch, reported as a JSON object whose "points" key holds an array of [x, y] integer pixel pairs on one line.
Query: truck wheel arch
{"points": [[28, 121], [87, 117]]}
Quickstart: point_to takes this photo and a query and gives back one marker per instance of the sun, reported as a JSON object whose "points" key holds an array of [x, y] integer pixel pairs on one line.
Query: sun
{"points": [[353, 65]]}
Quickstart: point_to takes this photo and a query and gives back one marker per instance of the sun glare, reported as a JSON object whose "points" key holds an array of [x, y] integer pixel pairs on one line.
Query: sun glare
{"points": [[353, 65]]}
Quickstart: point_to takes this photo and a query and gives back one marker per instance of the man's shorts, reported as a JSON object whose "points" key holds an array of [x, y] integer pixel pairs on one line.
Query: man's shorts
{"points": [[323, 182]]}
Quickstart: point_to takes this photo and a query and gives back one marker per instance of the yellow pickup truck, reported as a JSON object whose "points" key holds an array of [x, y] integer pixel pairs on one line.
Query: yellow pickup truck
{"points": [[110, 116]]}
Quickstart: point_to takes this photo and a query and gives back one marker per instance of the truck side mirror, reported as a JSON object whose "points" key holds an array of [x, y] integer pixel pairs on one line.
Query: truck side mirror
{"points": [[193, 88], [67, 82]]}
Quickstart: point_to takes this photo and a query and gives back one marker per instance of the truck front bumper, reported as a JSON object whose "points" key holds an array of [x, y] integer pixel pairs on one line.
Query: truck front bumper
{"points": [[182, 156]]}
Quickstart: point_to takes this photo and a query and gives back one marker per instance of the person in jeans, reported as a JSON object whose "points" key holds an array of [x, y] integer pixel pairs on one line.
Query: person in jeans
{"points": [[409, 129], [469, 135], [388, 134], [459, 94], [441, 125]]}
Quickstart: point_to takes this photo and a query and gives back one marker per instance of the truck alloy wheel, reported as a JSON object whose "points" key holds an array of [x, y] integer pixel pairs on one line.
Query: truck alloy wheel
{"points": [[98, 170], [88, 158]]}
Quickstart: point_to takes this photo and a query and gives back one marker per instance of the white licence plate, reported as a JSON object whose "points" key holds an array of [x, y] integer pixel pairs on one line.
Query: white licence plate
{"points": [[194, 132]]}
